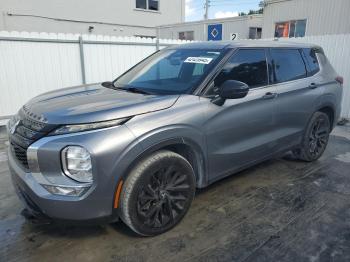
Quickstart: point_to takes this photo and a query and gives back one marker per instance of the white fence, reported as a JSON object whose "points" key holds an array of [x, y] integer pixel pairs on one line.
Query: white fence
{"points": [[33, 63]]}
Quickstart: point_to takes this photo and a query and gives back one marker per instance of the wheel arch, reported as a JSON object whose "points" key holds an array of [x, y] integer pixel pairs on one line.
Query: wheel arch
{"points": [[329, 110], [185, 147]]}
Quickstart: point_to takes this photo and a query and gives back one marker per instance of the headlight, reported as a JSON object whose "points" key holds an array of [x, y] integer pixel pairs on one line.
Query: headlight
{"points": [[91, 126], [76, 162]]}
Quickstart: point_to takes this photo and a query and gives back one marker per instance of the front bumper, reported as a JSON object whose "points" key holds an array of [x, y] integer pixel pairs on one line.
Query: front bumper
{"points": [[41, 203], [96, 204]]}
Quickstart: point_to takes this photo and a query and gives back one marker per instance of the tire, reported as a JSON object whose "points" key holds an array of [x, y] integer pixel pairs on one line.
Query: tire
{"points": [[157, 193], [315, 138]]}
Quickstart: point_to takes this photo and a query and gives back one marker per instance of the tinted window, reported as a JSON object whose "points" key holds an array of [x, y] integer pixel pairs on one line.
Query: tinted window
{"points": [[311, 59], [288, 65], [246, 65]]}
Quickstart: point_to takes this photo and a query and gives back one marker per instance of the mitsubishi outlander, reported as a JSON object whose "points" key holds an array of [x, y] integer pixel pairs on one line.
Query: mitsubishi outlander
{"points": [[138, 147]]}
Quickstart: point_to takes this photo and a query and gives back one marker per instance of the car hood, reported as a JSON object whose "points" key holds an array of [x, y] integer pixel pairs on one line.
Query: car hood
{"points": [[93, 103]]}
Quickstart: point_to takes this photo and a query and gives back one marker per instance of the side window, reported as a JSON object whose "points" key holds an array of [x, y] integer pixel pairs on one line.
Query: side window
{"points": [[311, 59], [288, 64], [246, 65]]}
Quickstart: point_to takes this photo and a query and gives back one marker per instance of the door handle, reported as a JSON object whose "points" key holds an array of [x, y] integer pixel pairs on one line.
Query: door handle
{"points": [[313, 85], [269, 95]]}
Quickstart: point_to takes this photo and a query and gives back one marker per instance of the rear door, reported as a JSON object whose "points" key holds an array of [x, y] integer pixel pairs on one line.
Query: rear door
{"points": [[297, 84], [240, 132]]}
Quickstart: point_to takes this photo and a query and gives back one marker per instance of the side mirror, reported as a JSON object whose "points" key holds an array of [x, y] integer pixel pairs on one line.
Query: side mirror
{"points": [[231, 89]]}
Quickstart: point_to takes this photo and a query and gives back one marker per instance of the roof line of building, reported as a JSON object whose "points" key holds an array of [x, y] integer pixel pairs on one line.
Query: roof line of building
{"points": [[235, 18], [78, 21], [268, 2]]}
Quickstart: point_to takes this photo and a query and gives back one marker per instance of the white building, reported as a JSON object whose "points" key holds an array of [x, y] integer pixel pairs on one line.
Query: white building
{"points": [[117, 17], [281, 18], [289, 18], [240, 27]]}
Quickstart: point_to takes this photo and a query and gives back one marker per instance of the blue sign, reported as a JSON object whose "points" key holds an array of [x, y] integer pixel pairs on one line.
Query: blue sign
{"points": [[215, 32]]}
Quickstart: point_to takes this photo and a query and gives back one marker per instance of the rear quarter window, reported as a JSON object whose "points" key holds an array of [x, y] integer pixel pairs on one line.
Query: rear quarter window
{"points": [[311, 60], [288, 64]]}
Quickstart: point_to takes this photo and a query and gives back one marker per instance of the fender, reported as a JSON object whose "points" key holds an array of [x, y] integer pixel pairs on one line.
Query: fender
{"points": [[166, 137], [329, 100]]}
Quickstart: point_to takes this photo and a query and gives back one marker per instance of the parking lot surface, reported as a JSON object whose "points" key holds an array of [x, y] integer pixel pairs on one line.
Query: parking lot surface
{"points": [[280, 210]]}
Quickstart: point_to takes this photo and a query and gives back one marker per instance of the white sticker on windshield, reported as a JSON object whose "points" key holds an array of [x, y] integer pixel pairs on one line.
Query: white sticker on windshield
{"points": [[198, 60]]}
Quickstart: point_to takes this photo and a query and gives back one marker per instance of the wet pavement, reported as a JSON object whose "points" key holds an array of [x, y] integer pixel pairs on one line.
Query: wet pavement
{"points": [[280, 210]]}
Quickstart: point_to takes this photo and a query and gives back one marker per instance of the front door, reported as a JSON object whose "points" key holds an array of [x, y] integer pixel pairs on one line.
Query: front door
{"points": [[241, 131]]}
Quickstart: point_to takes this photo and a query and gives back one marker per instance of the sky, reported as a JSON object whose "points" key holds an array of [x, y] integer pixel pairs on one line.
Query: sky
{"points": [[218, 8]]}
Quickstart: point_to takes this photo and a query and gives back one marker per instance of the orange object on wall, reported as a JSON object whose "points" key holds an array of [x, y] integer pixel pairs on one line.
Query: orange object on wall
{"points": [[286, 29]]}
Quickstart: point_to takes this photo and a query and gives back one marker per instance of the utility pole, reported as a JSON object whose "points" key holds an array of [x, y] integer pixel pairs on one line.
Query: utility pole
{"points": [[206, 6]]}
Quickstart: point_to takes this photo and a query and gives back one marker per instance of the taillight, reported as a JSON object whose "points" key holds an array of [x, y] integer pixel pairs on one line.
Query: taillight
{"points": [[340, 80]]}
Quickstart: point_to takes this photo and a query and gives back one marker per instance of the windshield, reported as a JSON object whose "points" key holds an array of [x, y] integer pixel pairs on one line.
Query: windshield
{"points": [[171, 71]]}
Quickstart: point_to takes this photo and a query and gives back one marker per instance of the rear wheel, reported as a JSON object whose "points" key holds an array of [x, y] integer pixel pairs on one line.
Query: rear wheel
{"points": [[315, 138], [157, 193]]}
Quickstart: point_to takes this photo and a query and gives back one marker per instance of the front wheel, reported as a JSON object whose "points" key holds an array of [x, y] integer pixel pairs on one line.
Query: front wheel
{"points": [[157, 193], [315, 138]]}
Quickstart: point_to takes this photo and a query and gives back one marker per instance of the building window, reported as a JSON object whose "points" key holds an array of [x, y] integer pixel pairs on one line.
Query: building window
{"points": [[255, 32], [294, 28], [188, 35], [148, 4]]}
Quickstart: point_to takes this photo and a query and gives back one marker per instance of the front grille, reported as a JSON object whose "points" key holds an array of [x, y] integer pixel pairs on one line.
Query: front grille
{"points": [[21, 154], [26, 133]]}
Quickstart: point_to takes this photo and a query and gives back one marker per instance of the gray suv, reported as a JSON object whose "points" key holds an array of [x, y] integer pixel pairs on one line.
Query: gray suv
{"points": [[138, 147]]}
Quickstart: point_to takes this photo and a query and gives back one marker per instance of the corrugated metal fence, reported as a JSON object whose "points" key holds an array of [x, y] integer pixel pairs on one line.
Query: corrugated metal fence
{"points": [[33, 63]]}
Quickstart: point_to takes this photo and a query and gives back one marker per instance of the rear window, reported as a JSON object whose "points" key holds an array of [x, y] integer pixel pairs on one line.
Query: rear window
{"points": [[311, 60], [288, 64]]}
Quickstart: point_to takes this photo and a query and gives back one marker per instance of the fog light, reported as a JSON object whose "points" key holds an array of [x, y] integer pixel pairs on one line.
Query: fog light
{"points": [[66, 191], [76, 162]]}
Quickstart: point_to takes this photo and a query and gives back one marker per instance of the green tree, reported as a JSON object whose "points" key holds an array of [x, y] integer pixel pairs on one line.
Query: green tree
{"points": [[254, 12]]}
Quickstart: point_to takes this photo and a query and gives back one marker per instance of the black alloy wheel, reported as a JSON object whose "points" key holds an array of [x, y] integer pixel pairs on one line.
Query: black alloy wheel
{"points": [[157, 193], [164, 197], [315, 138], [318, 137]]}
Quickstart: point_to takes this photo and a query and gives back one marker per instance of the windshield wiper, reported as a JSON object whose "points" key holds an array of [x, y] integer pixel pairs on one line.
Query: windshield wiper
{"points": [[129, 89], [135, 90]]}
